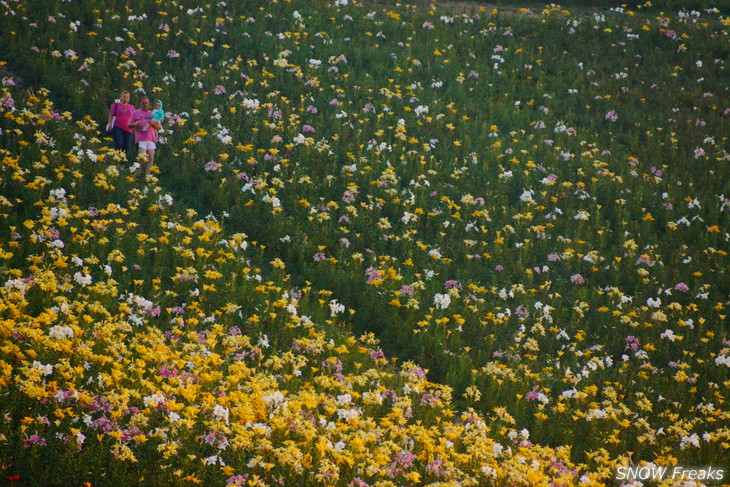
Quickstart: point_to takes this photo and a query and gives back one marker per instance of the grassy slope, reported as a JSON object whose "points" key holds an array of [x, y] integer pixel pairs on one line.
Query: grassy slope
{"points": [[256, 221]]}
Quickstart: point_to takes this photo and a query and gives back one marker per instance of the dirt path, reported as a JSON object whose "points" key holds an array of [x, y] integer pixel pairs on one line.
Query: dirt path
{"points": [[475, 7], [527, 8]]}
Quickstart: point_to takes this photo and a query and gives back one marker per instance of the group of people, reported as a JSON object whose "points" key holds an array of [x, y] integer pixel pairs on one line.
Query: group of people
{"points": [[144, 123]]}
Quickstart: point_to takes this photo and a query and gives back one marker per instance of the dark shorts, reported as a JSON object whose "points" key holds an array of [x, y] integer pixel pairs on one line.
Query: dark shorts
{"points": [[122, 139]]}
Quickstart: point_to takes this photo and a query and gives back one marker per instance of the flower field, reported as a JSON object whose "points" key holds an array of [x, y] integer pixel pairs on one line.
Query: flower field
{"points": [[384, 244]]}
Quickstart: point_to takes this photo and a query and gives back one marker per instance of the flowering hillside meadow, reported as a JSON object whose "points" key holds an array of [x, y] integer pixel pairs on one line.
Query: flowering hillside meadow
{"points": [[383, 245]]}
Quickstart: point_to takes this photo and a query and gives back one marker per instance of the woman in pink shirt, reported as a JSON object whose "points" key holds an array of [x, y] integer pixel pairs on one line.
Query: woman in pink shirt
{"points": [[118, 123], [145, 131]]}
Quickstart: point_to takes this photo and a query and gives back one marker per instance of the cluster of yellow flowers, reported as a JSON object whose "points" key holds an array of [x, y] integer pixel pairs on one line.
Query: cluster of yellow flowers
{"points": [[132, 332]]}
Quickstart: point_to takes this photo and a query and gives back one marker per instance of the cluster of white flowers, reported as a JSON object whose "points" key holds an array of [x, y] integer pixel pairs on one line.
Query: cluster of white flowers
{"points": [[407, 217], [527, 195], [16, 284], [570, 393], [140, 302], [57, 194], [420, 110], [347, 414], [250, 104], [61, 332], [274, 400], [691, 440], [58, 213], [669, 335], [45, 369], [223, 134], [441, 301], [275, 202], [83, 279], [596, 414], [336, 308], [723, 360], [165, 199], [221, 412], [154, 400]]}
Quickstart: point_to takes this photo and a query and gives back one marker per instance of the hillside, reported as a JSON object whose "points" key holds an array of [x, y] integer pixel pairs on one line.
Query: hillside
{"points": [[382, 244]]}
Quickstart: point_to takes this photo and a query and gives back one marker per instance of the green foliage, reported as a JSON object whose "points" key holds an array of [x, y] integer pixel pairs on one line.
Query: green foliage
{"points": [[530, 204]]}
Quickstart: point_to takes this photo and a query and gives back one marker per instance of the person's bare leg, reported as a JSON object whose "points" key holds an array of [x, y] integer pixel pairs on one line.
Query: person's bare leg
{"points": [[150, 160]]}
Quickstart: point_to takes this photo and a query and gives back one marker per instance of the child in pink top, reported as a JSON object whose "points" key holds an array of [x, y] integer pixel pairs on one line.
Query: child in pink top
{"points": [[145, 131]]}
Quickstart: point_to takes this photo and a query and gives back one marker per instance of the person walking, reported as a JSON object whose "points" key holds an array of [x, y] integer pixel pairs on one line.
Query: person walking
{"points": [[145, 132], [118, 124]]}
